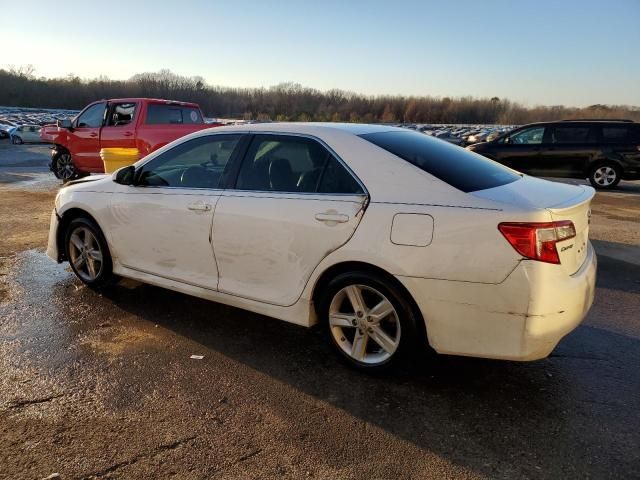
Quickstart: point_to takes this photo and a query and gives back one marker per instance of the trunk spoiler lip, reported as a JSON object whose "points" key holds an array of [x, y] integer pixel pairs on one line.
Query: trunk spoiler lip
{"points": [[586, 195]]}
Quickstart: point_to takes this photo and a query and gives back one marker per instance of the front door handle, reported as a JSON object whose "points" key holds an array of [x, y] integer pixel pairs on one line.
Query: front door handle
{"points": [[199, 207], [128, 134], [332, 217], [93, 134]]}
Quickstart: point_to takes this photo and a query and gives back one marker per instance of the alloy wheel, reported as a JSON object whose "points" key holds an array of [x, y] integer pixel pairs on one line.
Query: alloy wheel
{"points": [[364, 324], [605, 176], [85, 254], [65, 169]]}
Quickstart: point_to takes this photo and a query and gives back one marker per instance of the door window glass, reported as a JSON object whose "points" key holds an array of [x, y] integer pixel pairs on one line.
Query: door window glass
{"points": [[571, 134], [282, 164], [530, 136], [121, 114], [336, 179], [159, 114], [92, 117], [198, 163]]}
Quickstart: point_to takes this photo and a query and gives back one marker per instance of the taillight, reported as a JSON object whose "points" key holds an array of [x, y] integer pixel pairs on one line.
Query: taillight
{"points": [[537, 241]]}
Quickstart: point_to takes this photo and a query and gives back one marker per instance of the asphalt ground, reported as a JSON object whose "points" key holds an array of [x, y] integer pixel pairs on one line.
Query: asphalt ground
{"points": [[103, 386]]}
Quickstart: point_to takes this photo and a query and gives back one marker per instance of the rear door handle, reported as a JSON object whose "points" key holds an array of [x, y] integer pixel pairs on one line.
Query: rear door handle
{"points": [[199, 207], [332, 217], [128, 134], [93, 134]]}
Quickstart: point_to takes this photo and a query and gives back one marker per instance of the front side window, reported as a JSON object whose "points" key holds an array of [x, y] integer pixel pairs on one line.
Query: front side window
{"points": [[198, 163], [121, 114], [530, 136], [92, 117], [160, 114], [572, 134], [456, 166]]}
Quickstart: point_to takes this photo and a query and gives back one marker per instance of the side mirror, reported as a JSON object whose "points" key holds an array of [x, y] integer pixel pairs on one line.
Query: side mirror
{"points": [[65, 123], [507, 140], [125, 175]]}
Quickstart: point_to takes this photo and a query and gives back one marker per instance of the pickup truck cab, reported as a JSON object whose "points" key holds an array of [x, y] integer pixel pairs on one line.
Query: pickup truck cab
{"points": [[142, 123]]}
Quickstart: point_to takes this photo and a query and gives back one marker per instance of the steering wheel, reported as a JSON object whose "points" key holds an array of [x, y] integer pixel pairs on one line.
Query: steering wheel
{"points": [[196, 176]]}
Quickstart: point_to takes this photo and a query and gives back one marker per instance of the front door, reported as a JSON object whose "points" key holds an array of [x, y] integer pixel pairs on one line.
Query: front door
{"points": [[521, 149], [162, 224], [85, 139], [293, 204]]}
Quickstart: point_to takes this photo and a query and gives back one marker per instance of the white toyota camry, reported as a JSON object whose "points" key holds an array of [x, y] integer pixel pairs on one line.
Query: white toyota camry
{"points": [[389, 238]]}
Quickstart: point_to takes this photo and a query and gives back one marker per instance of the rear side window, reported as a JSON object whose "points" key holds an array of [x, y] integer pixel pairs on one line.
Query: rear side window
{"points": [[620, 134], [159, 114], [573, 134], [456, 166], [282, 163], [121, 114]]}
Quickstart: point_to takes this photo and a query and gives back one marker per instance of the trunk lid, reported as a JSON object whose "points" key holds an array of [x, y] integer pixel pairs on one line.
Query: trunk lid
{"points": [[562, 201]]}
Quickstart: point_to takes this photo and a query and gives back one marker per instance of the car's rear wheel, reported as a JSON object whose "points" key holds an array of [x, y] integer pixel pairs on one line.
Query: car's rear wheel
{"points": [[88, 253], [63, 167], [369, 321], [16, 140], [605, 175]]}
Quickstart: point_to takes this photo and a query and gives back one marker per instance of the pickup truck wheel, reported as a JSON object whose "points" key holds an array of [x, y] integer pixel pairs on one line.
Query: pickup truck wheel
{"points": [[63, 167]]}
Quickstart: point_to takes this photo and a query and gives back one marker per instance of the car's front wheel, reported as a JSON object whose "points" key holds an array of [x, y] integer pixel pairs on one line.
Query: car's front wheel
{"points": [[606, 175], [63, 166], [369, 321], [88, 253]]}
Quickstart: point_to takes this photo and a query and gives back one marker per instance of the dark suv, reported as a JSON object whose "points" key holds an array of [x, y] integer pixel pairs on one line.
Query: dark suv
{"points": [[604, 151]]}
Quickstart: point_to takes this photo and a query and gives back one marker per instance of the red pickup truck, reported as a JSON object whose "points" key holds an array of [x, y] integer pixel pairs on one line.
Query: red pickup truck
{"points": [[143, 123]]}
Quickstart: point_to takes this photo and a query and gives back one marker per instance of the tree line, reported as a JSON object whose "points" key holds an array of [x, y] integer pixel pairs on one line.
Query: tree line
{"points": [[286, 101]]}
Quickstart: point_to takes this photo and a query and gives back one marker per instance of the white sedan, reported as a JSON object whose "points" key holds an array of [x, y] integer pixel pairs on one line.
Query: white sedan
{"points": [[389, 238]]}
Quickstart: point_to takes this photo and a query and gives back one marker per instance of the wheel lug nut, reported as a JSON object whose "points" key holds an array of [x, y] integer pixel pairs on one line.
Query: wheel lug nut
{"points": [[354, 322], [359, 314]]}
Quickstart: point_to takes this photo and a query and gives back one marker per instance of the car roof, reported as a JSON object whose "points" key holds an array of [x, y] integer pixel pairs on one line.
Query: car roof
{"points": [[148, 100], [309, 128]]}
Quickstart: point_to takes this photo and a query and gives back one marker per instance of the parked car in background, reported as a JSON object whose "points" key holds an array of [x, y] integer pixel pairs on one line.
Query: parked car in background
{"points": [[139, 123], [390, 239], [26, 134], [449, 137], [604, 151]]}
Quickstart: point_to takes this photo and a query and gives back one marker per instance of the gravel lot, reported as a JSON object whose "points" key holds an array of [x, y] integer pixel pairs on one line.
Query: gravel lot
{"points": [[102, 386]]}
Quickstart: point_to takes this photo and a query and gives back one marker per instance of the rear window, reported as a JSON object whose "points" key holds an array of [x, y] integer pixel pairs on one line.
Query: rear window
{"points": [[158, 114], [456, 166]]}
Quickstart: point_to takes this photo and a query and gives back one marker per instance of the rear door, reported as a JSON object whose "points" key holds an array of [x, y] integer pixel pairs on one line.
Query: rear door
{"points": [[521, 149], [84, 142], [120, 125], [569, 150], [293, 203], [162, 224]]}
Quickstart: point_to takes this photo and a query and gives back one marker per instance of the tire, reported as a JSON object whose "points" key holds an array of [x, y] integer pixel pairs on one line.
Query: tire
{"points": [[605, 176], [88, 253], [16, 140], [63, 166], [361, 340]]}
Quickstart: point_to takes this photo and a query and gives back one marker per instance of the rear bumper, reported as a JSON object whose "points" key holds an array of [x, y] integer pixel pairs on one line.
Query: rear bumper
{"points": [[522, 318]]}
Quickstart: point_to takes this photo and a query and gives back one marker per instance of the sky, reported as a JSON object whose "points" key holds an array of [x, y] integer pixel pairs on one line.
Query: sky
{"points": [[571, 52]]}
